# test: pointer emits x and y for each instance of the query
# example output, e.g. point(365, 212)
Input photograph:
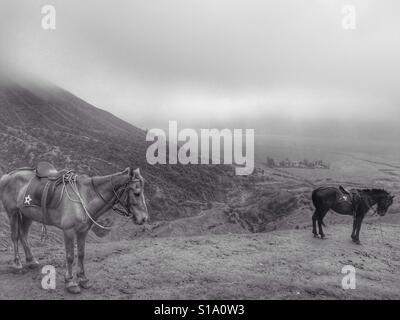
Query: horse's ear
point(128, 170)
point(137, 174)
point(392, 197)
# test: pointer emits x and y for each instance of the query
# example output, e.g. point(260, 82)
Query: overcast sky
point(213, 62)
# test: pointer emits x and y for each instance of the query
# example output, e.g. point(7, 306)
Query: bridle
point(117, 197)
point(370, 206)
point(374, 210)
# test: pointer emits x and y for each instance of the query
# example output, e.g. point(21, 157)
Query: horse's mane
point(21, 169)
point(379, 191)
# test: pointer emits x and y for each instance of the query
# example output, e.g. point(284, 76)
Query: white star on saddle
point(28, 200)
point(344, 198)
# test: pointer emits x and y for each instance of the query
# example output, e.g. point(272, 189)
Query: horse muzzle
point(140, 221)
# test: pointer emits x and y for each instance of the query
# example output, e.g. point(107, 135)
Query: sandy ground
point(286, 264)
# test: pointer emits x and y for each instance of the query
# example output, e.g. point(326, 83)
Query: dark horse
point(83, 200)
point(355, 202)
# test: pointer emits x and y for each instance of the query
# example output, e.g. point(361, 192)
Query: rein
point(369, 206)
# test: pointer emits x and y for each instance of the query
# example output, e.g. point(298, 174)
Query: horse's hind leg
point(23, 235)
point(320, 223)
point(14, 226)
point(355, 235)
point(314, 223)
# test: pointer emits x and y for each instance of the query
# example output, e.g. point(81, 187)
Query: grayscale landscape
point(321, 96)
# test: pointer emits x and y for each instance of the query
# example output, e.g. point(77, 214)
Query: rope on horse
point(71, 179)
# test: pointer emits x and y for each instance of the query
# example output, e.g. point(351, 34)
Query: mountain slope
point(44, 122)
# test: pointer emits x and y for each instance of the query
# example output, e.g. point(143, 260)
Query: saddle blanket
point(43, 192)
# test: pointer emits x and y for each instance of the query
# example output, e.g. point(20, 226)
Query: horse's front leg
point(70, 283)
point(83, 281)
point(358, 230)
point(355, 235)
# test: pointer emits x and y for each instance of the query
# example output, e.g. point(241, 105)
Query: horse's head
point(384, 201)
point(133, 199)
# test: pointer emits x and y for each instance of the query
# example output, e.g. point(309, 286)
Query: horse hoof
point(315, 235)
point(73, 288)
point(356, 241)
point(84, 283)
point(322, 236)
point(33, 264)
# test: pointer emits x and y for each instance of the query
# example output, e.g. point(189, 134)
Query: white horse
point(83, 200)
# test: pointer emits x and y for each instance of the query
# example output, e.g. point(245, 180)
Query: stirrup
point(44, 236)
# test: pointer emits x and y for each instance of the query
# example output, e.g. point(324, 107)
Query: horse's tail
point(315, 198)
point(3, 183)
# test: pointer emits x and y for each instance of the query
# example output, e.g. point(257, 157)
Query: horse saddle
point(45, 189)
point(352, 196)
point(47, 170)
point(345, 192)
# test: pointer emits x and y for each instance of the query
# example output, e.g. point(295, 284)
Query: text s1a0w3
point(201, 309)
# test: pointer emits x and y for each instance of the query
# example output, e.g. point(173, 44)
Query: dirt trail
point(287, 264)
